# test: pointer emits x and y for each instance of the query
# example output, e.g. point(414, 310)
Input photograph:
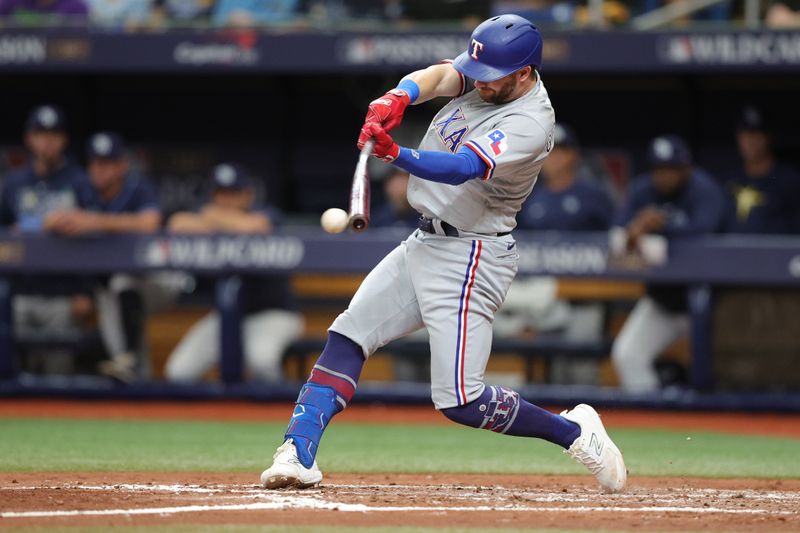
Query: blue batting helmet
point(500, 46)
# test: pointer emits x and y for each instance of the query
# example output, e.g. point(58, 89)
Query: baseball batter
point(470, 175)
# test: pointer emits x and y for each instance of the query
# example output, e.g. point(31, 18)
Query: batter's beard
point(500, 97)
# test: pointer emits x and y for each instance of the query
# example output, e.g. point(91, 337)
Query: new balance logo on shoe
point(596, 444)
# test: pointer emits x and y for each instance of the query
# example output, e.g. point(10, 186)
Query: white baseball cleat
point(288, 472)
point(595, 450)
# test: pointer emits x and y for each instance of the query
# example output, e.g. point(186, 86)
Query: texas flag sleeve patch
point(488, 148)
point(499, 142)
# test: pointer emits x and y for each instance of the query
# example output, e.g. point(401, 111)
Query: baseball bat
point(359, 191)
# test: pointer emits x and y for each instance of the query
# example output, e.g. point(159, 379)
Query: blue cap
point(564, 136)
point(668, 151)
point(46, 118)
point(751, 118)
point(105, 145)
point(500, 46)
point(230, 176)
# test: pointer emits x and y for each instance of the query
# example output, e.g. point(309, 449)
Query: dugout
point(290, 106)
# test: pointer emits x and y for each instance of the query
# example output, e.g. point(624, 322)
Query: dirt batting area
point(468, 501)
point(656, 504)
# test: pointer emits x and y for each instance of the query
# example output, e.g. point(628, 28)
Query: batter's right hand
point(386, 111)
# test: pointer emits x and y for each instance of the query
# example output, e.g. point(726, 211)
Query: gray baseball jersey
point(512, 139)
point(453, 286)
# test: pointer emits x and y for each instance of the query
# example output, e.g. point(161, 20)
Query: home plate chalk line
point(315, 499)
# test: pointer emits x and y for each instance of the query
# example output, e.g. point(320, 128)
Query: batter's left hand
point(386, 111)
point(385, 148)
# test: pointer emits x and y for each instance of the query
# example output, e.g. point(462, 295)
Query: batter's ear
point(525, 73)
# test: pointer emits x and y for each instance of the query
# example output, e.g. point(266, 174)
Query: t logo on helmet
point(477, 48)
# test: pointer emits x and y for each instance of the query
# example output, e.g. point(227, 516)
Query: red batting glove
point(385, 148)
point(386, 111)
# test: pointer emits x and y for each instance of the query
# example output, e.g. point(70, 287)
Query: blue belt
point(428, 225)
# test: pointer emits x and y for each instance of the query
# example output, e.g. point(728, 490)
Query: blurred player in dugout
point(567, 197)
point(674, 199)
point(45, 305)
point(765, 191)
point(271, 322)
point(395, 211)
point(118, 201)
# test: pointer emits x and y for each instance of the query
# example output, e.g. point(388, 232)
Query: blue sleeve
point(453, 169)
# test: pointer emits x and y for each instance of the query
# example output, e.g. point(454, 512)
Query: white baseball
point(334, 220)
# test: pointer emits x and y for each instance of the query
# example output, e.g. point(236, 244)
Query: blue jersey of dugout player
point(674, 198)
point(765, 191)
point(475, 166)
point(564, 201)
point(50, 182)
point(116, 201)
